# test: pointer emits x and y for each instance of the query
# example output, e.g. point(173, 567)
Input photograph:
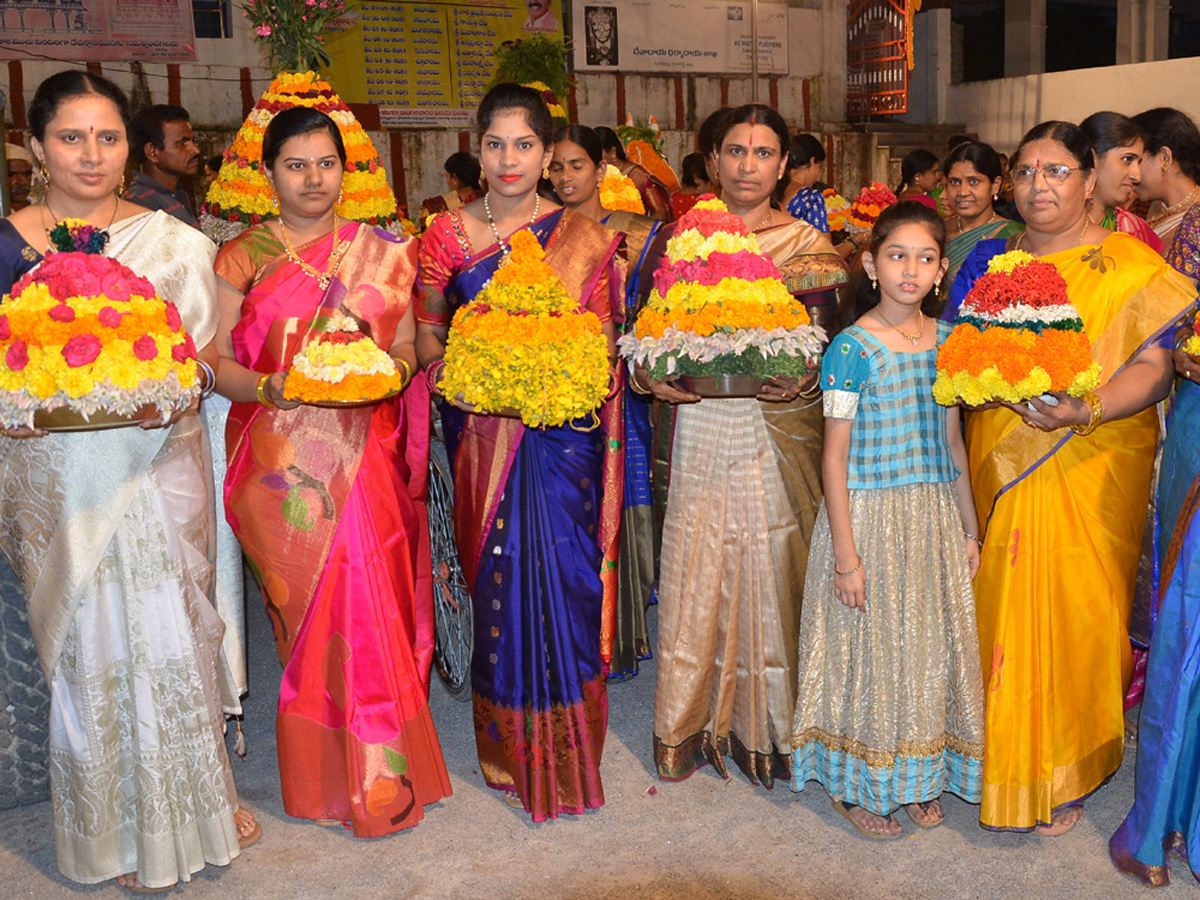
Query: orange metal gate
point(877, 58)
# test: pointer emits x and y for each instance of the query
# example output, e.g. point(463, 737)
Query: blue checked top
point(899, 432)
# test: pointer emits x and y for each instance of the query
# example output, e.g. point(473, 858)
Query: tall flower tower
point(290, 32)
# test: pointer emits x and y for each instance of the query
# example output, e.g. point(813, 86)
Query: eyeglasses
point(1055, 173)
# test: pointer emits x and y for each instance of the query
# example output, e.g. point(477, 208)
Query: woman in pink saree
point(328, 503)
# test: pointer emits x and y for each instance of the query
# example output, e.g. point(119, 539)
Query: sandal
point(844, 809)
point(1059, 828)
point(925, 807)
point(246, 838)
point(138, 888)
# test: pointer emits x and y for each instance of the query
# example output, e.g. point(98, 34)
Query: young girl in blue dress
point(889, 710)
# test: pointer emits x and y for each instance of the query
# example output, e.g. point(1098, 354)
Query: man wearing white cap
point(20, 175)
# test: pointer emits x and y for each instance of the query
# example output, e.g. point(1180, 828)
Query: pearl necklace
point(335, 256)
point(505, 249)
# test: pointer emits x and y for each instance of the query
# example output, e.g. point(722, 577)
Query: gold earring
point(44, 175)
point(341, 193)
point(1164, 170)
point(546, 172)
point(874, 285)
point(274, 201)
point(121, 187)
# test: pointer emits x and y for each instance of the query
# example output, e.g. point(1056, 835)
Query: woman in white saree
point(110, 533)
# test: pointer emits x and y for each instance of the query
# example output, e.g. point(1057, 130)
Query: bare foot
point(1062, 822)
point(926, 815)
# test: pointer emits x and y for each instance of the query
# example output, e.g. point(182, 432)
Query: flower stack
point(341, 364)
point(837, 209)
point(85, 332)
point(719, 307)
point(865, 210)
point(241, 196)
point(1017, 336)
point(618, 191)
point(643, 145)
point(523, 345)
point(558, 112)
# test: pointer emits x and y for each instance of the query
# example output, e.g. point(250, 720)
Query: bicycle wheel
point(451, 597)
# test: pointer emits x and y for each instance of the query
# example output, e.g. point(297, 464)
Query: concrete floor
point(701, 839)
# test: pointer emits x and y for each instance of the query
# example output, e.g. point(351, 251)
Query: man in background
point(20, 175)
point(163, 145)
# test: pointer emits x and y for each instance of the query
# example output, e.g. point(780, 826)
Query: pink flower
point(185, 351)
point(263, 30)
point(5, 331)
point(81, 350)
point(62, 313)
point(173, 318)
point(109, 317)
point(17, 356)
point(144, 348)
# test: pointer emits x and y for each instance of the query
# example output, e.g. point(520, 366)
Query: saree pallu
point(1165, 818)
point(110, 533)
point(641, 536)
point(328, 505)
point(742, 498)
point(1064, 515)
point(536, 515)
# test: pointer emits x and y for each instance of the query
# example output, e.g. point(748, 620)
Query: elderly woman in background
point(111, 534)
point(1063, 489)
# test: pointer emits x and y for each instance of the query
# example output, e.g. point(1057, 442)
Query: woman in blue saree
point(537, 510)
point(1165, 819)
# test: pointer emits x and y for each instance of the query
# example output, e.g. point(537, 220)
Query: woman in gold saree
point(1062, 491)
point(741, 504)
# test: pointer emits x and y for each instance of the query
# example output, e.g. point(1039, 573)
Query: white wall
point(1004, 109)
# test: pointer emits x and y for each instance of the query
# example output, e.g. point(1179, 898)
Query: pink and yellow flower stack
point(85, 332)
point(241, 196)
point(719, 307)
point(865, 210)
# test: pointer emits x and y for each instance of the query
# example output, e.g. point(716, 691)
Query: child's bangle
point(973, 537)
point(850, 572)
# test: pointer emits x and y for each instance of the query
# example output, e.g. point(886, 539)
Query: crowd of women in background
point(856, 586)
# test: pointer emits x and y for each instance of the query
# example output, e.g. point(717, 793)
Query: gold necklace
point(1082, 231)
point(1171, 210)
point(914, 339)
point(988, 222)
point(335, 256)
point(505, 249)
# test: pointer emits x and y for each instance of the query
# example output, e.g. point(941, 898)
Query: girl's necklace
point(1178, 207)
point(914, 339)
point(335, 256)
point(505, 249)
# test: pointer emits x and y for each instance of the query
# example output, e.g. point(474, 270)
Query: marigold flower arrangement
point(719, 307)
point(618, 191)
point(644, 146)
point(837, 209)
point(241, 195)
point(865, 210)
point(1192, 345)
point(558, 112)
point(1017, 336)
point(523, 344)
point(84, 331)
point(341, 364)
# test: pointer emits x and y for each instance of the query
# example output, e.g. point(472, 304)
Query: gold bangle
point(848, 572)
point(262, 397)
point(407, 371)
point(1095, 414)
point(637, 388)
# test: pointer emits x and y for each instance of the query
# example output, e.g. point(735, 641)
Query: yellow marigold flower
point(1006, 262)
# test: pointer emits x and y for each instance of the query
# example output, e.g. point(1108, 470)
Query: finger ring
point(1028, 423)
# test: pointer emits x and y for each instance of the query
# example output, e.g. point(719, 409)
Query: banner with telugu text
point(428, 63)
point(678, 36)
point(97, 30)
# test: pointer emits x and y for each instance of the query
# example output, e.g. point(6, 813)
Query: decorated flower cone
point(342, 365)
point(837, 209)
point(290, 30)
point(719, 307)
point(523, 345)
point(643, 145)
point(865, 210)
point(86, 333)
point(618, 191)
point(1017, 336)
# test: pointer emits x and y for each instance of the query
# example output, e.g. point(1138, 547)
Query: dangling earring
point(121, 187)
point(341, 193)
point(275, 201)
point(995, 197)
point(874, 284)
point(937, 286)
point(546, 172)
point(44, 176)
